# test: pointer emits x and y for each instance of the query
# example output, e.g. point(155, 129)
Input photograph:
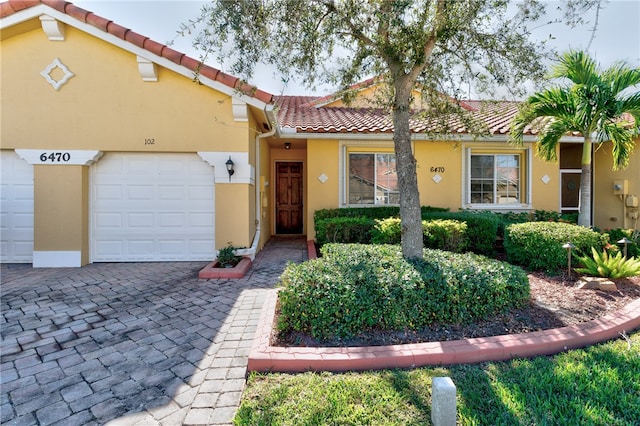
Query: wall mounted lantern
point(230, 170)
point(287, 145)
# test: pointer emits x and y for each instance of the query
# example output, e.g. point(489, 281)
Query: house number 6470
point(55, 157)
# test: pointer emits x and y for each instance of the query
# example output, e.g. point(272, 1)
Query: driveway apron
point(130, 343)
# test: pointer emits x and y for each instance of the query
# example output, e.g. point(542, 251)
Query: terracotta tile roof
point(302, 114)
point(11, 7)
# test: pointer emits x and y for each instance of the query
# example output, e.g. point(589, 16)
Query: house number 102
point(149, 141)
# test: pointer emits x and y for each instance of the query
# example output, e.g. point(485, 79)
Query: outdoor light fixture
point(568, 246)
point(287, 145)
point(625, 241)
point(230, 170)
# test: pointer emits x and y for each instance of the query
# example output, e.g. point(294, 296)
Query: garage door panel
point(140, 192)
point(16, 209)
point(141, 249)
point(200, 220)
point(173, 193)
point(166, 206)
point(108, 192)
point(172, 220)
point(137, 221)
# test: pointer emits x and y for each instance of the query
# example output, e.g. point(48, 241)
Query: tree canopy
point(440, 46)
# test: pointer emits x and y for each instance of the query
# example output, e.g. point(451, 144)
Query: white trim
point(560, 206)
point(57, 259)
point(54, 30)
point(76, 157)
point(466, 190)
point(147, 69)
point(67, 75)
point(240, 110)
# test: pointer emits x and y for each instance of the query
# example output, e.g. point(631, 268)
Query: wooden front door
point(288, 198)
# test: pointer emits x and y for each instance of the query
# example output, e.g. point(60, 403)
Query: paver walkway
point(130, 343)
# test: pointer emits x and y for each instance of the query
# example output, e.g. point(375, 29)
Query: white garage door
point(152, 207)
point(16, 209)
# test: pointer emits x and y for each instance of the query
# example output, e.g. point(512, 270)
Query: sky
point(617, 36)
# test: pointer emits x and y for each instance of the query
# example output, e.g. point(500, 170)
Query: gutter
point(251, 251)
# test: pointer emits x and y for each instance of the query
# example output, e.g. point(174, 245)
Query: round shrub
point(353, 288)
point(537, 246)
point(443, 234)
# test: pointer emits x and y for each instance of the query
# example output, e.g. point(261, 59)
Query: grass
point(599, 385)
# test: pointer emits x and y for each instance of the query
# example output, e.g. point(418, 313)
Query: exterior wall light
point(287, 145)
point(230, 170)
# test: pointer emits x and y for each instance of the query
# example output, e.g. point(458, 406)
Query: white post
point(443, 402)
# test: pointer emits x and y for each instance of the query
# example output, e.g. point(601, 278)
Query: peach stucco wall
point(609, 209)
point(106, 106)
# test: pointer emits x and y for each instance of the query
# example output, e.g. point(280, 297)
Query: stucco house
point(117, 148)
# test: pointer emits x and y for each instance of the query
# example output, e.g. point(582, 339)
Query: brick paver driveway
point(93, 344)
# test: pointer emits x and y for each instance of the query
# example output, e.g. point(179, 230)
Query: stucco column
point(232, 214)
point(61, 216)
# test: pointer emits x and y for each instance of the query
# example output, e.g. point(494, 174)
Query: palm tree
point(595, 106)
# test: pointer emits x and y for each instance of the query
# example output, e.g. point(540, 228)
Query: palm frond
point(576, 66)
point(546, 148)
point(622, 141)
point(620, 77)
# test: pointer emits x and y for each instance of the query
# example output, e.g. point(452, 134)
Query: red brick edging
point(264, 357)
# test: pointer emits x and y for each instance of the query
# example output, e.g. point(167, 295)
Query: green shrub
point(227, 257)
point(354, 288)
point(482, 228)
point(604, 265)
point(440, 234)
point(444, 234)
point(538, 245)
point(377, 212)
point(344, 230)
point(386, 231)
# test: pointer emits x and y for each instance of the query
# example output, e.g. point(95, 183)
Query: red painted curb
point(264, 357)
point(211, 272)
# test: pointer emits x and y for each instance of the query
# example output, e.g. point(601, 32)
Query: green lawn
point(599, 385)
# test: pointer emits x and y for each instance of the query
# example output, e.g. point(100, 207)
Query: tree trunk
point(410, 214)
point(584, 205)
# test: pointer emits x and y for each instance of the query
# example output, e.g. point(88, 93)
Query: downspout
point(251, 252)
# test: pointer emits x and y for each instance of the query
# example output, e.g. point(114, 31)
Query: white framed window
point(372, 179)
point(498, 179)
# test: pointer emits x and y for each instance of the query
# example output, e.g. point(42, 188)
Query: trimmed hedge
point(353, 288)
point(440, 234)
point(377, 212)
point(482, 228)
point(344, 230)
point(537, 246)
